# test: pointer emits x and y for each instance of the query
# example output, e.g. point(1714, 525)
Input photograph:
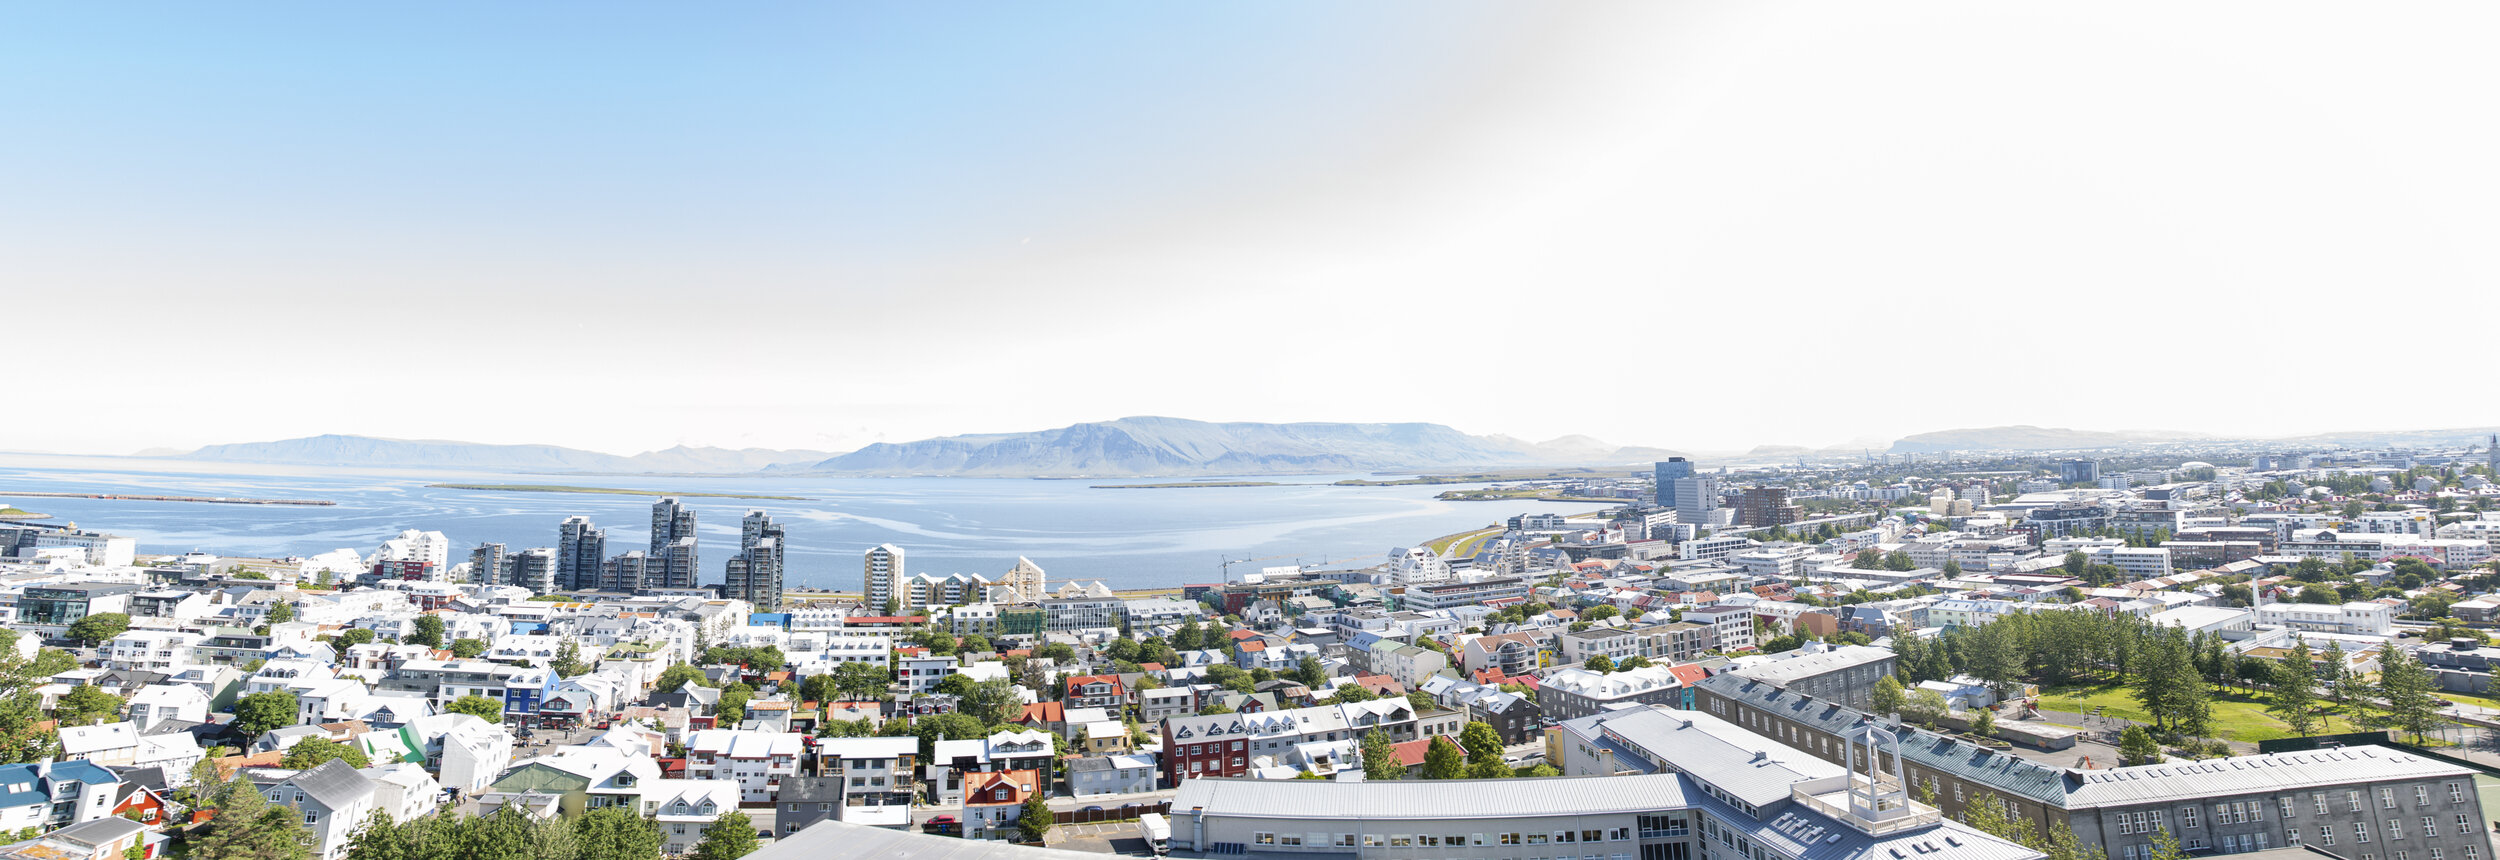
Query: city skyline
point(829, 227)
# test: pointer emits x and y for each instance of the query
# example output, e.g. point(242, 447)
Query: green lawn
point(2237, 716)
point(1463, 543)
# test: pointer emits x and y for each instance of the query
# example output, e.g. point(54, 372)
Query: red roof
point(1411, 753)
point(1253, 645)
point(1150, 667)
point(1689, 673)
point(979, 785)
point(1044, 712)
point(1238, 635)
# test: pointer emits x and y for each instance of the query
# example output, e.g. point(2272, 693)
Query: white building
point(2356, 618)
point(756, 761)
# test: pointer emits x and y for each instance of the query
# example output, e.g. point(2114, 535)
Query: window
point(2456, 792)
point(2127, 853)
point(2421, 794)
point(2256, 810)
point(2361, 832)
point(2386, 798)
point(2326, 834)
point(2187, 816)
point(1401, 840)
point(2319, 802)
point(2291, 837)
point(311, 817)
point(1262, 839)
point(2284, 805)
point(2430, 827)
point(2260, 840)
point(2395, 828)
point(2464, 826)
point(2435, 854)
point(2352, 801)
point(1592, 836)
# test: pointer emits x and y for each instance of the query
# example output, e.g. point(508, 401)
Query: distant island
point(1179, 484)
point(12, 513)
point(612, 491)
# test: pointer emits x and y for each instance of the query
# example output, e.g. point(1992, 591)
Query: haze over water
point(1126, 538)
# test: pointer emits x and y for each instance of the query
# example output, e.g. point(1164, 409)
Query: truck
point(1158, 831)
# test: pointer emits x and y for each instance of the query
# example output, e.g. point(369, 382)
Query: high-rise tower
point(755, 574)
point(883, 568)
point(1668, 472)
point(673, 548)
point(581, 549)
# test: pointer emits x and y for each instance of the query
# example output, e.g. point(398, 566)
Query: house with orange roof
point(994, 800)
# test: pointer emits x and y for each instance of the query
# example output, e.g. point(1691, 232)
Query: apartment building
point(756, 761)
point(1571, 693)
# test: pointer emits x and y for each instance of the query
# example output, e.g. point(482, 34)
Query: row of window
point(1440, 840)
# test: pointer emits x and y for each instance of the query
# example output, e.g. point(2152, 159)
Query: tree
point(1887, 695)
point(680, 675)
point(974, 643)
point(87, 705)
point(1444, 760)
point(1983, 722)
point(2334, 674)
point(937, 727)
point(248, 827)
point(477, 706)
point(2171, 687)
point(99, 627)
point(1380, 758)
point(1310, 673)
point(1898, 560)
point(1924, 707)
point(280, 613)
point(732, 707)
point(310, 753)
point(355, 636)
point(957, 685)
point(858, 681)
point(568, 662)
point(260, 713)
point(616, 833)
point(466, 648)
point(2405, 685)
point(1540, 770)
point(2136, 746)
point(1601, 664)
point(730, 838)
point(429, 632)
point(1034, 819)
point(1421, 702)
point(1482, 742)
point(2295, 697)
point(1350, 692)
point(1868, 559)
point(1188, 637)
point(994, 702)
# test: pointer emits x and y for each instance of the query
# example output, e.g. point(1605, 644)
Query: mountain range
point(1158, 447)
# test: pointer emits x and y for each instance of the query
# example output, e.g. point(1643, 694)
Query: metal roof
point(2257, 773)
point(1438, 798)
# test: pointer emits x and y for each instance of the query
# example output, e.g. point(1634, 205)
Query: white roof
point(85, 740)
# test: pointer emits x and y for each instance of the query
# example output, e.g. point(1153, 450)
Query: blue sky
point(821, 225)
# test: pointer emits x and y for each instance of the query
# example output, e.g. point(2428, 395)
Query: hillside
point(2024, 437)
point(1173, 446)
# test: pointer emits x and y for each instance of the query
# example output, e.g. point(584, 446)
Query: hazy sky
point(1698, 225)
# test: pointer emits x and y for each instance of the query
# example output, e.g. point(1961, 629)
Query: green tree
point(1380, 758)
point(1600, 663)
point(87, 705)
point(429, 632)
point(1350, 692)
point(1444, 760)
point(1924, 707)
point(280, 613)
point(1310, 673)
point(616, 833)
point(1189, 637)
point(857, 681)
point(477, 706)
point(1898, 561)
point(730, 838)
point(957, 685)
point(2170, 686)
point(2405, 688)
point(2295, 696)
point(1868, 559)
point(1482, 742)
point(1887, 695)
point(676, 677)
point(2334, 674)
point(99, 627)
point(568, 662)
point(937, 727)
point(260, 713)
point(1034, 819)
point(732, 707)
point(248, 827)
point(1983, 722)
point(355, 636)
point(994, 702)
point(2136, 746)
point(466, 648)
point(309, 753)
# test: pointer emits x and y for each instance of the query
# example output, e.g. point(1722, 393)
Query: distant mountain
point(1150, 446)
point(2024, 437)
point(2459, 437)
point(335, 450)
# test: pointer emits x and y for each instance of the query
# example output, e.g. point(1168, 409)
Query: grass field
point(1461, 544)
point(2237, 717)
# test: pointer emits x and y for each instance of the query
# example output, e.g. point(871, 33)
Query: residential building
point(1844, 674)
point(993, 802)
point(581, 553)
point(883, 568)
point(673, 544)
point(756, 761)
point(755, 573)
point(1572, 693)
point(334, 799)
point(1097, 776)
point(876, 776)
point(1762, 507)
point(2358, 618)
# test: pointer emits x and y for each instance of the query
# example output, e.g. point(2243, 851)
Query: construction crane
point(1228, 563)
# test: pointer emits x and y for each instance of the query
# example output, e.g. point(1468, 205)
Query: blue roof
point(17, 774)
point(83, 771)
point(529, 627)
point(768, 619)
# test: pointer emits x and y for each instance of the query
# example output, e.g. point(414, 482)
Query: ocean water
point(1126, 538)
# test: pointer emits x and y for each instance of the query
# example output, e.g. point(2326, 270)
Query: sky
point(1707, 226)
